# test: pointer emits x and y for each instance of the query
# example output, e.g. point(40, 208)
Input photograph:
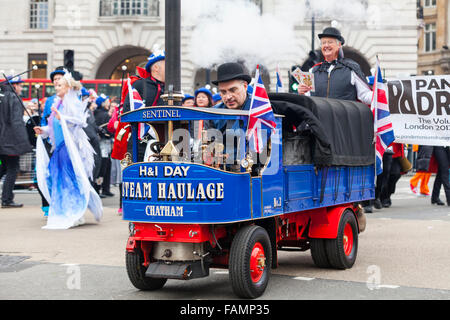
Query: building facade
point(434, 37)
point(106, 34)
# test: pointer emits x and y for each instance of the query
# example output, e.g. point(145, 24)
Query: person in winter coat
point(150, 87)
point(337, 77)
point(442, 155)
point(14, 140)
point(387, 180)
point(92, 131)
point(436, 159)
point(102, 117)
point(421, 177)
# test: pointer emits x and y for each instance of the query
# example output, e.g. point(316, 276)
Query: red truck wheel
point(136, 273)
point(250, 262)
point(342, 251)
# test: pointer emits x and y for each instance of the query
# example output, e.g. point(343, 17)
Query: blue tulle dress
point(64, 178)
point(67, 198)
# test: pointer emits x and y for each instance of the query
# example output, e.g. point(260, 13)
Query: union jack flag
point(279, 88)
point(384, 132)
point(260, 114)
point(136, 103)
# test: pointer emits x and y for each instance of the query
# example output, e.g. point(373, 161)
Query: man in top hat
point(337, 77)
point(13, 138)
point(101, 115)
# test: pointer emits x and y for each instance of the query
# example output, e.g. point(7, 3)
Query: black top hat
point(231, 71)
point(333, 33)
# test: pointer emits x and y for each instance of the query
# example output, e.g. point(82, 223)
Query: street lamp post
point(173, 50)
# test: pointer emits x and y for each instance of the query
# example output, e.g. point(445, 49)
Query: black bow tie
point(328, 64)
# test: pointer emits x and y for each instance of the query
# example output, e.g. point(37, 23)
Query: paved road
point(403, 254)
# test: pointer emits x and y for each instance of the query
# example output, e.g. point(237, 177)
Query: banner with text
point(420, 109)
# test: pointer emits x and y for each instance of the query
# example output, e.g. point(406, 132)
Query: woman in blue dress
point(64, 178)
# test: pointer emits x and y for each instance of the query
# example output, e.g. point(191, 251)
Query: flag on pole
point(384, 132)
point(279, 87)
point(136, 103)
point(260, 114)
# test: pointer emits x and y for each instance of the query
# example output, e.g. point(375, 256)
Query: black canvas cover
point(341, 130)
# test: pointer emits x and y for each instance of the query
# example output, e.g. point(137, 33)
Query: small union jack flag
point(384, 132)
point(279, 87)
point(260, 114)
point(136, 103)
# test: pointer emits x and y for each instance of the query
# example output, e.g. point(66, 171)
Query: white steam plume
point(234, 30)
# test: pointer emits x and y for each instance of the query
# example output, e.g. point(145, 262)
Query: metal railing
point(26, 177)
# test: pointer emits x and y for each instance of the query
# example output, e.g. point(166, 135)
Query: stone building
point(106, 34)
point(434, 37)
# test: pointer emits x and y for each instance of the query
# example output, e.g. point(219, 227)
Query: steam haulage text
point(170, 191)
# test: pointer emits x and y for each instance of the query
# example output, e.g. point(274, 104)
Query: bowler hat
point(333, 33)
point(231, 71)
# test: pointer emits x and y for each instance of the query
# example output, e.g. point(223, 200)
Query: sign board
point(420, 109)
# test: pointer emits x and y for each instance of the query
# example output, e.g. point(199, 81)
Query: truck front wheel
point(136, 272)
point(250, 262)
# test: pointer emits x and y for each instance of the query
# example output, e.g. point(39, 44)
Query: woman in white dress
point(64, 178)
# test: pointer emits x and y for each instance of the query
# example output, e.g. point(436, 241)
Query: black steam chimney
point(173, 51)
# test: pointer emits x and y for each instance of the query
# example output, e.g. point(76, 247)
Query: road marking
point(388, 286)
point(303, 278)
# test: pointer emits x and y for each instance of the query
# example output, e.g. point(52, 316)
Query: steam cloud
point(234, 30)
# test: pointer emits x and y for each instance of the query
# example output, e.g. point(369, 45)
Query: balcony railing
point(129, 8)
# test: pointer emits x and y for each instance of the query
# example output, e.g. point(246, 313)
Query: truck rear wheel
point(342, 251)
point(319, 253)
point(136, 273)
point(250, 262)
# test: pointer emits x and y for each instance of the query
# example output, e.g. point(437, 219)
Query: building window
point(38, 14)
point(127, 8)
point(40, 60)
point(430, 37)
point(428, 72)
point(430, 3)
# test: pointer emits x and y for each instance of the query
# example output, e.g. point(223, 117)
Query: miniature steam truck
point(190, 209)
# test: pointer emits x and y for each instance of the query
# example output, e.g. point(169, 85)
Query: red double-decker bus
point(41, 88)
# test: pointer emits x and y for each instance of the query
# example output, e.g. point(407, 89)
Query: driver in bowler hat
point(232, 82)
